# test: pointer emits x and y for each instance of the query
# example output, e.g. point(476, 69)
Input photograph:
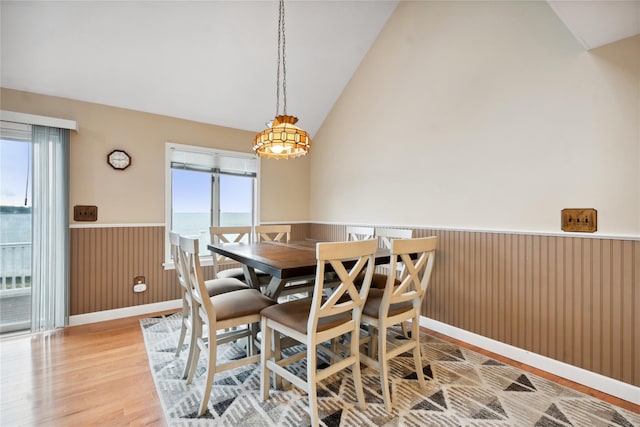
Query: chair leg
point(211, 372)
point(384, 366)
point(417, 358)
point(266, 353)
point(373, 344)
point(183, 327)
point(405, 331)
point(357, 374)
point(312, 390)
point(190, 362)
point(279, 383)
point(194, 350)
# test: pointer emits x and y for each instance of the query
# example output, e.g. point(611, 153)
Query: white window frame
point(193, 153)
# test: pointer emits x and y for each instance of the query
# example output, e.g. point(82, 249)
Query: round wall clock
point(119, 159)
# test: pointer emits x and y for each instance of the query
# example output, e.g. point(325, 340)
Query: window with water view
point(210, 188)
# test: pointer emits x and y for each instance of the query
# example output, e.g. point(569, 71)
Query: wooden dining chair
point(273, 233)
point(319, 319)
point(226, 311)
point(359, 233)
point(397, 303)
point(228, 235)
point(213, 287)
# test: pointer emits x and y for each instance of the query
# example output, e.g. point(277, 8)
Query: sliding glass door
point(16, 166)
point(34, 227)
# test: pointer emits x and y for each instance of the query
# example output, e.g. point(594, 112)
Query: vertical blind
point(50, 260)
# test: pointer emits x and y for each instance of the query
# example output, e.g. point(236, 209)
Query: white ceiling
point(597, 23)
point(215, 61)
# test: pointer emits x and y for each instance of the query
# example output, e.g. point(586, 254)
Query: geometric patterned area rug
point(464, 388)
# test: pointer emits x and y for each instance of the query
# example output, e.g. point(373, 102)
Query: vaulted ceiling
point(215, 61)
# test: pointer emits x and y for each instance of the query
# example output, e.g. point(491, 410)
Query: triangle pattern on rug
point(333, 420)
point(222, 406)
point(194, 415)
point(454, 356)
point(545, 421)
point(521, 383)
point(492, 362)
point(555, 412)
point(438, 398)
point(425, 405)
point(620, 420)
point(242, 376)
point(334, 386)
point(224, 381)
point(496, 406)
point(485, 414)
point(425, 371)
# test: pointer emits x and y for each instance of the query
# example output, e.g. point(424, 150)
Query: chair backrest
point(174, 239)
point(416, 273)
point(386, 235)
point(195, 279)
point(227, 235)
point(273, 233)
point(344, 296)
point(359, 233)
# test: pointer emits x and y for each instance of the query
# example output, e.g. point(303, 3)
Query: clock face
point(119, 159)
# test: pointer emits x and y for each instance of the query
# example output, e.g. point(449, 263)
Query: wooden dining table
point(286, 263)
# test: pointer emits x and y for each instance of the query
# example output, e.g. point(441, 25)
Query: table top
point(281, 260)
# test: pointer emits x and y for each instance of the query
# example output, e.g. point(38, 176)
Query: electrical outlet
point(139, 287)
point(139, 284)
point(85, 213)
point(580, 220)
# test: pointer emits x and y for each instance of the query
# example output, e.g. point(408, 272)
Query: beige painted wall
point(136, 195)
point(485, 115)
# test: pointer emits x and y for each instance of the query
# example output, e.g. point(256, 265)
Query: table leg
point(274, 288)
point(251, 277)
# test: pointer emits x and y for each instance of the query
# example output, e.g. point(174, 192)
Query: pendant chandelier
point(282, 139)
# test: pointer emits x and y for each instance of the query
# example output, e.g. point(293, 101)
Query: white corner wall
point(483, 115)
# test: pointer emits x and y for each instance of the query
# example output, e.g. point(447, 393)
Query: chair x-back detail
point(273, 233)
point(228, 235)
point(397, 303)
point(385, 237)
point(359, 233)
point(319, 319)
point(225, 311)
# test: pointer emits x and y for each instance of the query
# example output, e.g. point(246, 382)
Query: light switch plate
point(583, 220)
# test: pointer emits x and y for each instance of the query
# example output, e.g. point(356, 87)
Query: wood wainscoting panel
point(573, 299)
point(104, 261)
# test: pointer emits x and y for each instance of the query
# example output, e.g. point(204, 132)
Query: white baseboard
point(119, 313)
point(596, 381)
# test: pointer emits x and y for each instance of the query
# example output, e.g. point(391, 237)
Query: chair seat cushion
point(235, 273)
point(244, 302)
point(221, 286)
point(374, 299)
point(295, 315)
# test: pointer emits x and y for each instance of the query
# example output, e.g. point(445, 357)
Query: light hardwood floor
point(86, 375)
point(98, 374)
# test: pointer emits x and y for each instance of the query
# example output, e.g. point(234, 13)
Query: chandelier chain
point(282, 62)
